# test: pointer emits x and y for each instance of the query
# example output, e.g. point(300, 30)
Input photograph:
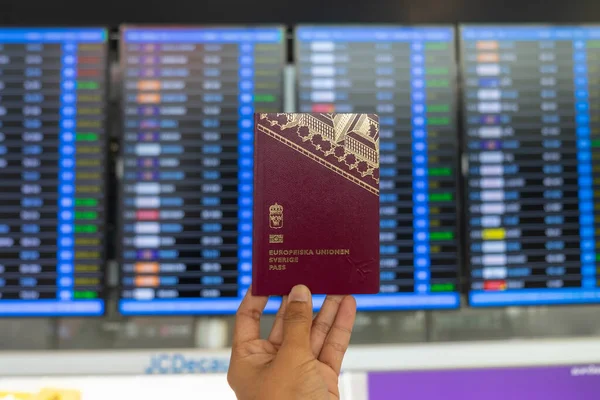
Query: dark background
point(114, 12)
point(116, 332)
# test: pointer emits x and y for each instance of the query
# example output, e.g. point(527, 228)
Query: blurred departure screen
point(531, 137)
point(407, 75)
point(52, 163)
point(189, 95)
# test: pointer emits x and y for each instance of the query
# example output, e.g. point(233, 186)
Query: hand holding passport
point(316, 226)
point(301, 358)
point(316, 203)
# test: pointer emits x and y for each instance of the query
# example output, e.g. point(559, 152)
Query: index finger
point(338, 339)
point(247, 318)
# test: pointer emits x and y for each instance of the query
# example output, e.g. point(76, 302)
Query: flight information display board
point(52, 165)
point(532, 133)
point(189, 97)
point(408, 77)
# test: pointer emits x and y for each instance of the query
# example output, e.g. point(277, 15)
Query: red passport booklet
point(316, 203)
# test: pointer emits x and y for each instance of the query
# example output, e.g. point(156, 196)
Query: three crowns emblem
point(276, 216)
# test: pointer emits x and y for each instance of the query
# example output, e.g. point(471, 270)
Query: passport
point(316, 203)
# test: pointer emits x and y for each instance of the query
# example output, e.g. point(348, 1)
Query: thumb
point(297, 320)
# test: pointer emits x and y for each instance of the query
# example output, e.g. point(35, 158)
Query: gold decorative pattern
point(352, 139)
point(310, 155)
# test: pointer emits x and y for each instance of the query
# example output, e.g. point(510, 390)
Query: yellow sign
point(493, 234)
point(44, 394)
point(58, 394)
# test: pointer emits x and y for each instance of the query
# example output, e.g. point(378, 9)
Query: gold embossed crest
point(276, 216)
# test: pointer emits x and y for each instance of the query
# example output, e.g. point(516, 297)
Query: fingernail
point(299, 293)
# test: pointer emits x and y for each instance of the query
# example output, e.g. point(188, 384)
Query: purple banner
point(536, 383)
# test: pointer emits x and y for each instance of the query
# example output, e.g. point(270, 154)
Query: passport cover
point(316, 203)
